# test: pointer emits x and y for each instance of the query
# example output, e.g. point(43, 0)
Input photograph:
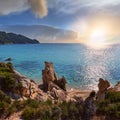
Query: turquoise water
point(81, 65)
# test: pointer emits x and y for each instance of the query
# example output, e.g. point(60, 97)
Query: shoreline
point(71, 91)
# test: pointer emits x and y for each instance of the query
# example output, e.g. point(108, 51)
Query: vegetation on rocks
point(5, 102)
point(55, 109)
point(110, 106)
point(7, 80)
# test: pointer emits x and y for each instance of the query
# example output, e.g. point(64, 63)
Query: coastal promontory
point(12, 38)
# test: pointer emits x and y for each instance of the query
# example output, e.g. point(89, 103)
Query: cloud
point(79, 6)
point(39, 7)
point(11, 6)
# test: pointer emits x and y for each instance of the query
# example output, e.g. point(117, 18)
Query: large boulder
point(24, 87)
point(61, 83)
point(56, 93)
point(103, 88)
point(49, 72)
point(49, 75)
point(89, 107)
point(117, 87)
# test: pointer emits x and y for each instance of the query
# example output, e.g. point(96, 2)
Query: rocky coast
point(52, 95)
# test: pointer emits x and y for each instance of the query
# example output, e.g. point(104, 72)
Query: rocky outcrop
point(117, 87)
point(28, 87)
point(17, 86)
point(61, 83)
point(49, 76)
point(54, 86)
point(103, 87)
point(8, 59)
point(89, 106)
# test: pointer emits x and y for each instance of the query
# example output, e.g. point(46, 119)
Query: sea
point(81, 65)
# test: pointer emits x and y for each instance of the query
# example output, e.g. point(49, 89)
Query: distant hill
point(11, 38)
point(44, 33)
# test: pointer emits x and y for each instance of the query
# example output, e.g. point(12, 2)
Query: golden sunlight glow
point(97, 38)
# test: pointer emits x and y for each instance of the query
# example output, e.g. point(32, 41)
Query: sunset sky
point(91, 19)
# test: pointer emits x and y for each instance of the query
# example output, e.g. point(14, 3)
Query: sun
point(97, 38)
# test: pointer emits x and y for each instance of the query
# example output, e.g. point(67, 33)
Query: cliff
point(11, 38)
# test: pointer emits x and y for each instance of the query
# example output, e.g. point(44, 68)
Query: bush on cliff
point(7, 80)
point(5, 102)
point(71, 110)
point(37, 110)
point(110, 106)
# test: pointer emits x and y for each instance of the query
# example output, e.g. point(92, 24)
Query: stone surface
point(61, 83)
point(89, 107)
point(103, 87)
point(58, 94)
point(49, 75)
point(29, 88)
point(8, 59)
point(117, 87)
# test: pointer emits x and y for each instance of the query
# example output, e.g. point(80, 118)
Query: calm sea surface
point(81, 65)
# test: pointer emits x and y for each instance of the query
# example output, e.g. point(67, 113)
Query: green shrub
point(48, 102)
point(35, 109)
point(113, 97)
point(110, 106)
point(10, 66)
point(7, 80)
point(71, 110)
point(32, 103)
point(7, 66)
point(28, 113)
point(4, 97)
point(4, 103)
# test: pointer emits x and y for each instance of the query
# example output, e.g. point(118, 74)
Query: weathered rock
point(28, 88)
point(117, 87)
point(49, 75)
point(78, 99)
point(49, 72)
point(103, 87)
point(8, 59)
point(58, 94)
point(61, 83)
point(89, 107)
point(55, 92)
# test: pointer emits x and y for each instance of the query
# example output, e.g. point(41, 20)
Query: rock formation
point(117, 87)
point(103, 87)
point(89, 107)
point(18, 86)
point(48, 75)
point(8, 59)
point(50, 78)
point(61, 83)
